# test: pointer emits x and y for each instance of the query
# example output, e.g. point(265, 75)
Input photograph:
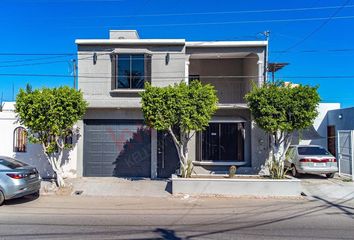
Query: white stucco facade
point(320, 124)
point(34, 154)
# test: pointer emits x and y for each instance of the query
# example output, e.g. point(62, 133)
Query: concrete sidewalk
point(314, 186)
point(120, 187)
point(319, 187)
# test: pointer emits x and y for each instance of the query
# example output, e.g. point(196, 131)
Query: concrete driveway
point(120, 187)
point(320, 187)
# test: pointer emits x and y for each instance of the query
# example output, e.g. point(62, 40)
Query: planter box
point(245, 186)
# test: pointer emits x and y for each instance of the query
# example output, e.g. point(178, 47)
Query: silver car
point(310, 159)
point(17, 179)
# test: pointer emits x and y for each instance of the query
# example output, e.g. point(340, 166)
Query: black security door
point(223, 142)
point(167, 157)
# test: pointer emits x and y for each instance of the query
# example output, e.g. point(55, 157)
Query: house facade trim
point(109, 128)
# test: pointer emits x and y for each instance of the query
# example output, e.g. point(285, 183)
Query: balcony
point(232, 77)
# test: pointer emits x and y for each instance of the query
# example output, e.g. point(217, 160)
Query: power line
point(50, 62)
point(90, 56)
point(91, 76)
point(315, 50)
point(36, 54)
point(31, 59)
point(318, 77)
point(31, 64)
point(177, 77)
point(110, 52)
point(215, 12)
point(327, 20)
point(217, 23)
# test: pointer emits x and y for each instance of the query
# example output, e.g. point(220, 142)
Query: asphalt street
point(79, 217)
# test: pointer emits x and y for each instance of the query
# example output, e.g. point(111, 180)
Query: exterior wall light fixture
point(167, 58)
point(94, 58)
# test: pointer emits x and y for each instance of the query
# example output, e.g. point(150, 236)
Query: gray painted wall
point(252, 68)
point(97, 91)
point(229, 90)
point(103, 104)
point(344, 123)
point(252, 57)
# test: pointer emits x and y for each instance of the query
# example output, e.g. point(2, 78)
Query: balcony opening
point(231, 75)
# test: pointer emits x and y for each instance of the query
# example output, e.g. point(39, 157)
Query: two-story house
point(114, 139)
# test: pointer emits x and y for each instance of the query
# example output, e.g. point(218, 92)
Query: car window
point(11, 163)
point(312, 151)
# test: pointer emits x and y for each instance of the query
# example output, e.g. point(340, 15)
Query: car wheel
point(330, 175)
point(2, 198)
point(294, 172)
point(36, 194)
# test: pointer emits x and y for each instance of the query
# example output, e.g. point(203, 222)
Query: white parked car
point(310, 159)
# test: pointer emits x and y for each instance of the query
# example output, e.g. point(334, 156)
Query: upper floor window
point(130, 71)
point(20, 139)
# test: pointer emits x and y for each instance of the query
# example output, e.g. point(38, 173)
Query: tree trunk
point(54, 160)
point(182, 151)
point(184, 154)
point(280, 144)
point(59, 172)
point(56, 165)
point(60, 179)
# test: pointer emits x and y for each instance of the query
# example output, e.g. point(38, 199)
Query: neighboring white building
point(320, 124)
point(14, 144)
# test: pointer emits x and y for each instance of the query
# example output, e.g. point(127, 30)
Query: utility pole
point(74, 72)
point(266, 58)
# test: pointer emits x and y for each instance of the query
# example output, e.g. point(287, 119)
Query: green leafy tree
point(181, 110)
point(49, 115)
point(280, 110)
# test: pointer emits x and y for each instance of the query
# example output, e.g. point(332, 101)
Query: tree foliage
point(181, 110)
point(49, 114)
point(280, 110)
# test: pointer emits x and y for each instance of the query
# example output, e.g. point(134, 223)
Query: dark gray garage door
point(118, 148)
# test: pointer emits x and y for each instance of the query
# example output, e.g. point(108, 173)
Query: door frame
point(199, 144)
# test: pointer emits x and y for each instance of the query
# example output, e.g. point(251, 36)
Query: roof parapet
point(123, 34)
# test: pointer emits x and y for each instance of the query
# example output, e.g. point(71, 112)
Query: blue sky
point(323, 47)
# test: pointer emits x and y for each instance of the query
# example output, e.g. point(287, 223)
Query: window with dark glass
point(223, 142)
point(20, 140)
point(312, 151)
point(194, 78)
point(131, 71)
point(69, 138)
point(11, 163)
